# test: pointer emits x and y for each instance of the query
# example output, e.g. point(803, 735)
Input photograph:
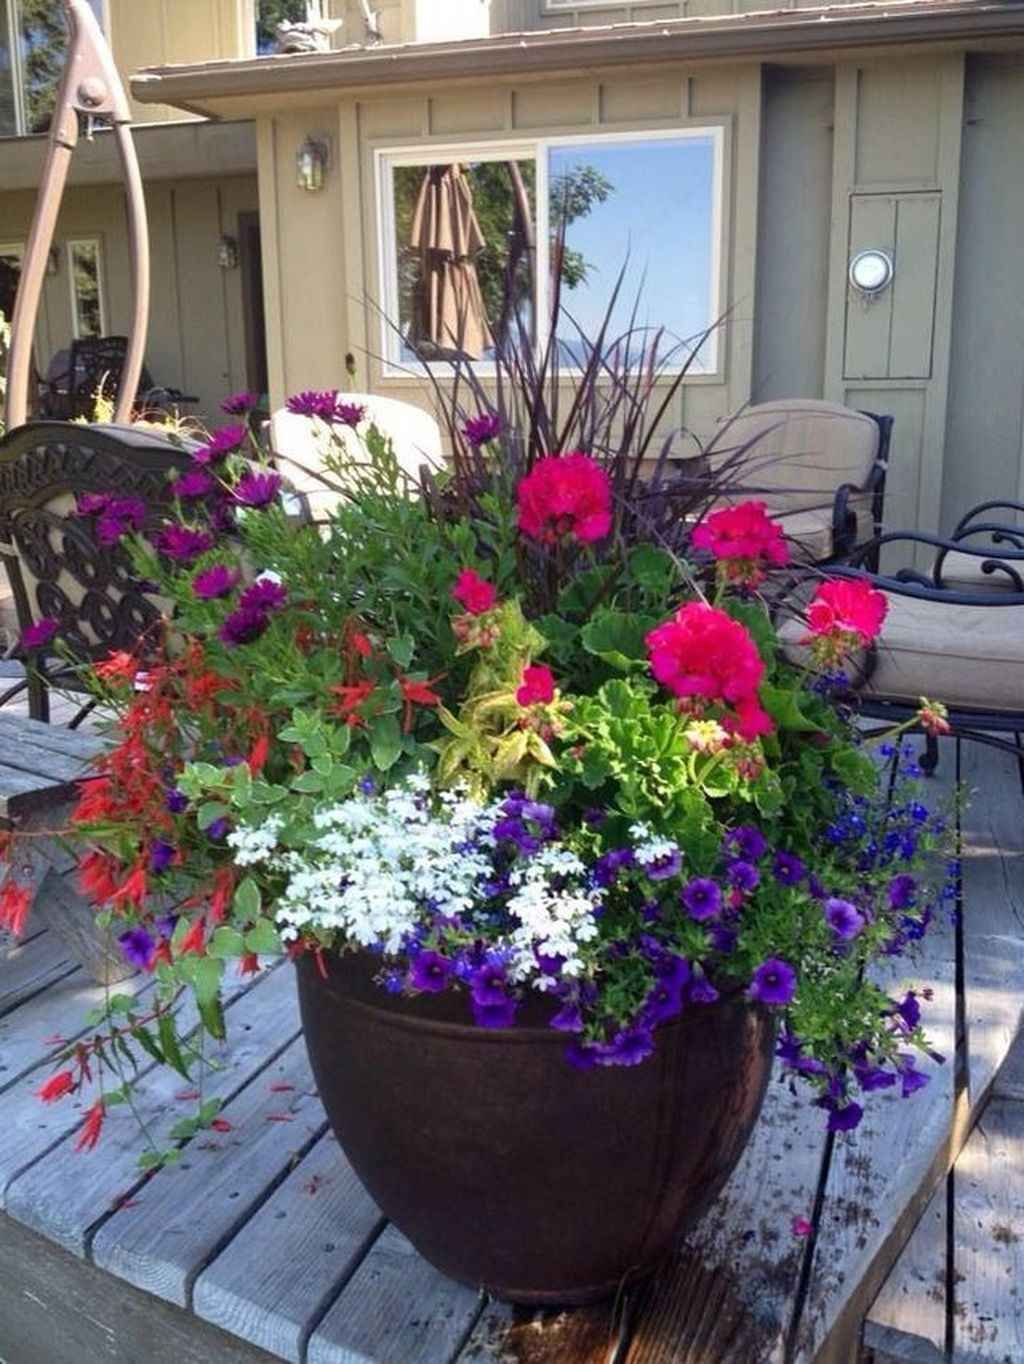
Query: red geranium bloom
point(538, 686)
point(56, 1087)
point(566, 495)
point(476, 594)
point(90, 1133)
point(847, 606)
point(703, 652)
point(744, 539)
point(15, 903)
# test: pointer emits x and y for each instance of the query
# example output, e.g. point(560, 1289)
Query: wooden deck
point(262, 1245)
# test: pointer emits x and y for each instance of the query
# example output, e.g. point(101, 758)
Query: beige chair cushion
point(804, 449)
point(300, 444)
point(968, 656)
point(809, 532)
point(964, 573)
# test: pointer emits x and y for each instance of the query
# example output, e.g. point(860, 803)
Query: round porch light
point(871, 271)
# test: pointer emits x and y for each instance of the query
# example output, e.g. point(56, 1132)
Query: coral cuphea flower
point(744, 540)
point(476, 594)
point(538, 686)
point(56, 1087)
point(566, 495)
point(91, 1128)
point(702, 652)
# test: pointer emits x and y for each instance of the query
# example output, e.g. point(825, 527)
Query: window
point(457, 226)
point(33, 44)
point(270, 13)
point(10, 273)
point(85, 271)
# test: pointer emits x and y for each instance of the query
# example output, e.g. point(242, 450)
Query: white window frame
point(535, 149)
point(101, 282)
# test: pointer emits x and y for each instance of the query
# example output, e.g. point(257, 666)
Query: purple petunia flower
point(219, 828)
point(701, 991)
point(224, 441)
point(242, 627)
point(137, 947)
point(313, 403)
point(568, 1019)
point(909, 1010)
point(165, 924)
point(788, 869)
point(747, 842)
point(430, 972)
point(664, 867)
point(549, 965)
point(902, 891)
point(629, 1047)
point(216, 581)
point(582, 1055)
point(743, 875)
point(911, 1079)
point(264, 595)
point(183, 543)
point(192, 485)
point(238, 404)
point(845, 920)
point(489, 984)
point(774, 982)
point(257, 490)
point(347, 414)
point(608, 866)
point(161, 855)
point(843, 1117)
point(482, 429)
point(671, 968)
point(500, 1015)
point(176, 801)
point(664, 1002)
point(702, 898)
point(39, 635)
point(871, 1078)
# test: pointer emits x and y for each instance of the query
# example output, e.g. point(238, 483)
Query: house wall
point(820, 162)
point(513, 16)
point(197, 335)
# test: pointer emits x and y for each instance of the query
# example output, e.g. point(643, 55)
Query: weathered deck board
point(271, 1283)
point(505, 1334)
point(185, 1214)
point(907, 1321)
point(988, 1240)
point(395, 1308)
point(64, 1195)
point(29, 967)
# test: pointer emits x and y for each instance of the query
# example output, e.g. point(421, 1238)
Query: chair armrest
point(999, 504)
point(910, 582)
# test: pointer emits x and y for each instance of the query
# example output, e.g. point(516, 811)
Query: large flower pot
point(507, 1168)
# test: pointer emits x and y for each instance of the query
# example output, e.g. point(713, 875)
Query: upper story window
point(270, 13)
point(33, 43)
point(470, 244)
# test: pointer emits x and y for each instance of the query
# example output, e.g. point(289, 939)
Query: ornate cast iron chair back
point(96, 364)
point(57, 566)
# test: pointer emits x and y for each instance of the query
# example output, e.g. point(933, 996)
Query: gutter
point(756, 34)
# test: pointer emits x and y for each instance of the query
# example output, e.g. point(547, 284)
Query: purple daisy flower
point(747, 842)
point(137, 947)
point(629, 1047)
point(774, 982)
point(347, 414)
point(430, 972)
point(39, 635)
point(264, 595)
point(902, 891)
point(257, 490)
point(743, 875)
point(666, 866)
point(224, 441)
point(702, 898)
point(482, 429)
point(92, 504)
point(313, 403)
point(501, 1015)
point(489, 984)
point(121, 515)
point(192, 485)
point(183, 543)
point(238, 404)
point(242, 627)
point(788, 869)
point(161, 855)
point(845, 920)
point(217, 581)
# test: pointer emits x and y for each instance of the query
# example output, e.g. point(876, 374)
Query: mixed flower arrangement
point(495, 732)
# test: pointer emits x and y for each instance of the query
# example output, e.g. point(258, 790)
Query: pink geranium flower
point(703, 652)
point(850, 606)
point(744, 540)
point(538, 686)
point(566, 495)
point(476, 594)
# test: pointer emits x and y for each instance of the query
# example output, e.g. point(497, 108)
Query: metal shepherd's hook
point(90, 87)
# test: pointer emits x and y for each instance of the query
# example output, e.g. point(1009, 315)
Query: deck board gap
point(792, 1338)
point(332, 1295)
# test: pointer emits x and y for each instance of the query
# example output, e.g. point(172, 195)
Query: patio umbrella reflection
point(450, 313)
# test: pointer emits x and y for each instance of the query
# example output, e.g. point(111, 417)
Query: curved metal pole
point(91, 87)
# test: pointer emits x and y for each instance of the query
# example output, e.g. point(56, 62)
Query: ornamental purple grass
point(39, 635)
point(845, 920)
point(774, 982)
point(257, 490)
point(216, 581)
point(702, 898)
point(243, 626)
point(183, 544)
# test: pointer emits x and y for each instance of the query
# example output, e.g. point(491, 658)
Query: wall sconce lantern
point(227, 253)
point(311, 163)
point(871, 272)
point(53, 261)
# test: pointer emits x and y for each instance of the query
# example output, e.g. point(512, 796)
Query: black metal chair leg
point(930, 761)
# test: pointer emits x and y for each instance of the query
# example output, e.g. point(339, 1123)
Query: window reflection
point(87, 301)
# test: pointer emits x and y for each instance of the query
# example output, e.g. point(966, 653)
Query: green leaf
point(401, 650)
point(248, 900)
point(617, 637)
point(169, 1045)
point(210, 812)
point(226, 942)
point(783, 705)
point(310, 783)
point(653, 569)
point(263, 939)
point(855, 770)
point(211, 1012)
point(756, 620)
point(206, 979)
point(385, 742)
point(147, 1042)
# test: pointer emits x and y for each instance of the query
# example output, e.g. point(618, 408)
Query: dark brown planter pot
point(507, 1168)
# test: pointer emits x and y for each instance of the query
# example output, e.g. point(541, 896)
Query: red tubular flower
point(847, 606)
point(134, 889)
point(476, 594)
point(97, 876)
point(223, 890)
point(362, 644)
point(118, 667)
point(15, 903)
point(93, 1125)
point(221, 1125)
point(350, 698)
point(56, 1087)
point(95, 801)
point(744, 540)
point(416, 694)
point(566, 495)
point(194, 940)
point(538, 686)
point(258, 754)
point(248, 964)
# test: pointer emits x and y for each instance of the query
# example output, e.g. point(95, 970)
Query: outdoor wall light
point(311, 163)
point(871, 271)
point(227, 253)
point(53, 261)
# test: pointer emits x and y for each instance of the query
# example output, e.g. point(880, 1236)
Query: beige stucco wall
point(197, 336)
